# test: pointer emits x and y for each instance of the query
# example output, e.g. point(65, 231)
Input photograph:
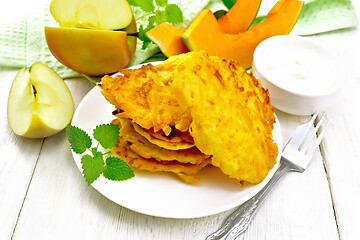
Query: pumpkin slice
point(237, 19)
point(168, 38)
point(240, 16)
point(204, 33)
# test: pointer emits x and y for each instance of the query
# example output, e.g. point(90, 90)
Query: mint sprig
point(79, 139)
point(92, 167)
point(115, 168)
point(173, 14)
point(156, 12)
point(107, 135)
point(142, 31)
point(93, 164)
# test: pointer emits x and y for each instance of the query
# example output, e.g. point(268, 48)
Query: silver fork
point(296, 157)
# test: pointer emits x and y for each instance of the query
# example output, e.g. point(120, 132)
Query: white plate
point(162, 194)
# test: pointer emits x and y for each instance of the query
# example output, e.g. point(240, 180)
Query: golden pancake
point(133, 159)
point(232, 115)
point(185, 171)
point(225, 110)
point(144, 96)
point(176, 140)
point(145, 149)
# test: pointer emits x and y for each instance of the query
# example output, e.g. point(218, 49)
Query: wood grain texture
point(342, 145)
point(299, 207)
point(60, 204)
point(18, 160)
point(43, 194)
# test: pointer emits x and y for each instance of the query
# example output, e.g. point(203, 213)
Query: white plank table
point(44, 196)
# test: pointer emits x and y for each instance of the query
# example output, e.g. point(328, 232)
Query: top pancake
point(232, 118)
point(144, 96)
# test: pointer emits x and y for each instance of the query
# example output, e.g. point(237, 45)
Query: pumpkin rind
point(237, 19)
point(205, 34)
point(240, 16)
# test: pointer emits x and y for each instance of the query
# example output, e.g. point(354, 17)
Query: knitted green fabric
point(319, 16)
point(23, 43)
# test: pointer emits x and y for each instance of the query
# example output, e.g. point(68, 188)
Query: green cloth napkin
point(319, 16)
point(23, 43)
point(325, 15)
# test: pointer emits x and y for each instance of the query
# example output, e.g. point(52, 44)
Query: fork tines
point(313, 137)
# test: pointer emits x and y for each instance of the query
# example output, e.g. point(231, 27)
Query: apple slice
point(92, 52)
point(39, 104)
point(94, 14)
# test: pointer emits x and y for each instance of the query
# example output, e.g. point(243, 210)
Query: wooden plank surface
point(342, 144)
point(18, 160)
point(60, 204)
point(43, 194)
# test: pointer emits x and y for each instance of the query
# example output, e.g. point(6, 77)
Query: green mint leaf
point(160, 16)
point(146, 5)
point(142, 35)
point(79, 140)
point(107, 135)
point(145, 45)
point(142, 31)
point(133, 3)
point(174, 13)
point(117, 169)
point(219, 13)
point(151, 24)
point(92, 167)
point(229, 3)
point(161, 3)
point(94, 150)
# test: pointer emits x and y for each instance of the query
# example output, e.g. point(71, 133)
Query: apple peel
point(39, 104)
point(93, 14)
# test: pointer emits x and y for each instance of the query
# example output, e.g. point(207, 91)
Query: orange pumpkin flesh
point(236, 20)
point(205, 34)
point(168, 38)
point(240, 16)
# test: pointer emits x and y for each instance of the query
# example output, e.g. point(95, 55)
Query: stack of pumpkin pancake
point(192, 111)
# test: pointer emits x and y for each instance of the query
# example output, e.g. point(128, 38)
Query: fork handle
point(240, 219)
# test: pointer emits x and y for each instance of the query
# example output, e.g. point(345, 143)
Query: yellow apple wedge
point(204, 33)
point(92, 52)
point(39, 104)
point(94, 14)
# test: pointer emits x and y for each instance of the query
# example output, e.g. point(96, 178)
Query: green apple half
point(39, 104)
point(94, 14)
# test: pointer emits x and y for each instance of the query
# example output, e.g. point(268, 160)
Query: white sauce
point(299, 68)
